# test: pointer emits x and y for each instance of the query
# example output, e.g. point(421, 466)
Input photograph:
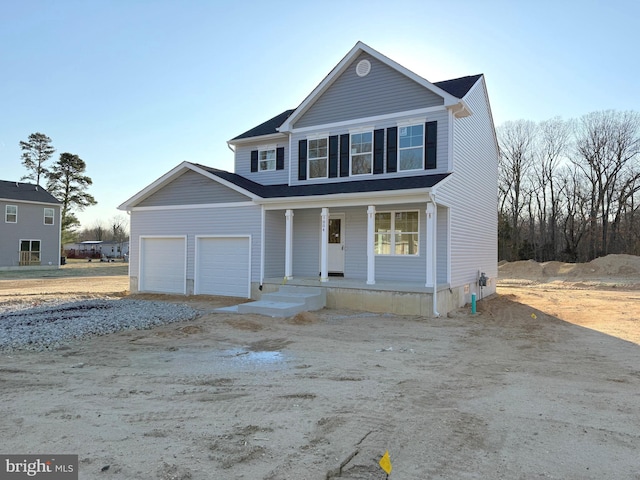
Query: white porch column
point(324, 246)
point(430, 239)
point(371, 254)
point(288, 248)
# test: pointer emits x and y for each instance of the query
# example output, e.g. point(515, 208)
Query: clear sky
point(136, 87)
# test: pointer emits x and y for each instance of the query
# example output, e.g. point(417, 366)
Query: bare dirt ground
point(542, 383)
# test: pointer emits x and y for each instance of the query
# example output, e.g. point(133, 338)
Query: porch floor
point(356, 284)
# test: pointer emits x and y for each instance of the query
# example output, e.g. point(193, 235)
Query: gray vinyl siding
point(245, 220)
point(274, 243)
point(271, 177)
point(306, 243)
point(192, 188)
point(472, 192)
point(384, 90)
point(441, 116)
point(442, 233)
point(30, 226)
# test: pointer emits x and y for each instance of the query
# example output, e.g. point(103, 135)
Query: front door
point(335, 251)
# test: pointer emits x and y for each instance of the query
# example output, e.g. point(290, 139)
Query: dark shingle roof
point(266, 128)
point(26, 192)
point(458, 87)
point(361, 186)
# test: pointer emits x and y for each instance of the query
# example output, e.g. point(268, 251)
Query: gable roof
point(452, 90)
point(25, 192)
point(449, 100)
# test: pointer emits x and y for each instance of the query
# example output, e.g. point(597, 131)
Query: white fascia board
point(341, 67)
point(197, 206)
point(372, 120)
point(417, 195)
point(260, 138)
point(11, 201)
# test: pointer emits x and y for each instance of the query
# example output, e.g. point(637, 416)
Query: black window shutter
point(392, 149)
point(344, 155)
point(378, 151)
point(333, 156)
point(280, 158)
point(431, 130)
point(302, 160)
point(254, 160)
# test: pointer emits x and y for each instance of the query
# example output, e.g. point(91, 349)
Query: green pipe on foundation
point(473, 303)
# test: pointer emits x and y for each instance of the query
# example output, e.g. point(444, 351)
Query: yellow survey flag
point(385, 462)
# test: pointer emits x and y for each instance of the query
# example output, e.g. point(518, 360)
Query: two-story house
point(380, 187)
point(30, 229)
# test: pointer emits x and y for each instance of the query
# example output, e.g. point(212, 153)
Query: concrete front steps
point(287, 301)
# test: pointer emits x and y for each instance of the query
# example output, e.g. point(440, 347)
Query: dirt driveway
point(511, 393)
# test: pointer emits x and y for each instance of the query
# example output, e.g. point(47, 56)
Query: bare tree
point(516, 140)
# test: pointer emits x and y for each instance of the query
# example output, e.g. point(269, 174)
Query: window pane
point(383, 244)
point(317, 168)
point(25, 245)
point(406, 244)
point(334, 230)
point(361, 164)
point(411, 159)
point(35, 246)
point(383, 222)
point(406, 222)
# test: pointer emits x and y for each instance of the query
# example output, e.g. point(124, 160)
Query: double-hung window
point(11, 214)
point(267, 160)
point(48, 216)
point(411, 147)
point(317, 157)
point(396, 233)
point(361, 153)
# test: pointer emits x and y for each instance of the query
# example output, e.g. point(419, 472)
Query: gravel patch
point(52, 324)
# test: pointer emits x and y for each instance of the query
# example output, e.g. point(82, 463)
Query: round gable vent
point(363, 68)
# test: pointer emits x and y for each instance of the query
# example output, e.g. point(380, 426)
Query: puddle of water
point(205, 361)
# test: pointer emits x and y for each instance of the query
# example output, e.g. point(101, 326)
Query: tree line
point(569, 190)
point(65, 180)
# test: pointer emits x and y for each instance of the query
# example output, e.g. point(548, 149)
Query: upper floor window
point(48, 216)
point(11, 214)
point(317, 158)
point(396, 233)
point(267, 160)
point(411, 147)
point(361, 153)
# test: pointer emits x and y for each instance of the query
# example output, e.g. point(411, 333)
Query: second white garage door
point(223, 266)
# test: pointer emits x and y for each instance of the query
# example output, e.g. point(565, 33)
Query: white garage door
point(223, 266)
point(163, 265)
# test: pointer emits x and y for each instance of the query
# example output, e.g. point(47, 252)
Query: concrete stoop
point(287, 301)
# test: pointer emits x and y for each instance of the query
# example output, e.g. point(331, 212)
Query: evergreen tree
point(68, 183)
point(36, 151)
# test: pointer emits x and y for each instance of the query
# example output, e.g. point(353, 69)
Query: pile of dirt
point(609, 269)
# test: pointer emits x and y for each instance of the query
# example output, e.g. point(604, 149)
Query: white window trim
point(393, 235)
point(6, 213)
point(275, 158)
point(406, 148)
point(357, 132)
point(409, 122)
point(326, 159)
point(52, 216)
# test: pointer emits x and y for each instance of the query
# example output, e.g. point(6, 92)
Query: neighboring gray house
point(30, 228)
point(380, 187)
